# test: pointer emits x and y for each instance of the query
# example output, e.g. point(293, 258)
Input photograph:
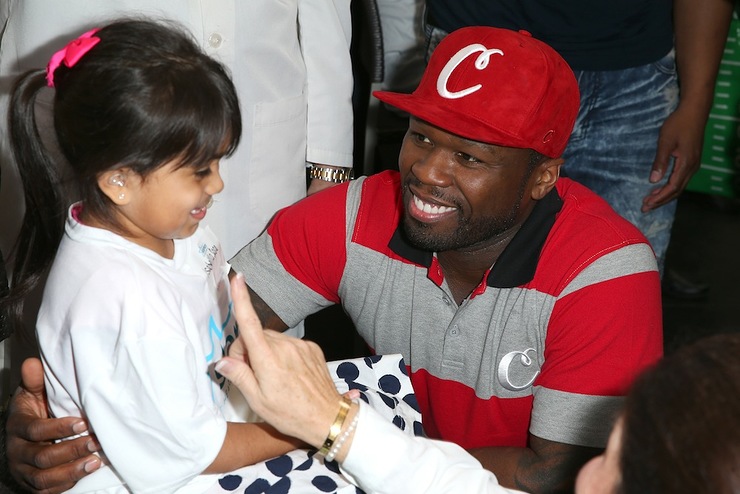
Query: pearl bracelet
point(338, 444)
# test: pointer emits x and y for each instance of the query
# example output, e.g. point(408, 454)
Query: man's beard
point(467, 234)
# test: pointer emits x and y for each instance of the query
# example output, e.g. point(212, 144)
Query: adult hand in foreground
point(284, 379)
point(35, 461)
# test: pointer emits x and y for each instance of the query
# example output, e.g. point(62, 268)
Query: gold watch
point(331, 174)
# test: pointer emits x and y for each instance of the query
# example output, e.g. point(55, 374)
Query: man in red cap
point(523, 305)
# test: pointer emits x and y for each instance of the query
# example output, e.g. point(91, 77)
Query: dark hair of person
point(145, 95)
point(681, 429)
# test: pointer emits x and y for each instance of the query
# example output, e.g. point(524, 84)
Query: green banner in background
point(719, 173)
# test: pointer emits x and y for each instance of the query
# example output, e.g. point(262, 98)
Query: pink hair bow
point(71, 53)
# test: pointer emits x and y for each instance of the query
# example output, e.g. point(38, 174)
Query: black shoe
point(677, 286)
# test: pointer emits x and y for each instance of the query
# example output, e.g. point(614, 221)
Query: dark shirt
point(589, 34)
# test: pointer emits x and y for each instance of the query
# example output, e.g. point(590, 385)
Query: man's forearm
point(701, 33)
point(548, 468)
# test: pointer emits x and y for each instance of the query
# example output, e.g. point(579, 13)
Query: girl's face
point(169, 204)
point(601, 475)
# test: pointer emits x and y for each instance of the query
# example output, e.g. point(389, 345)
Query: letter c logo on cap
point(480, 63)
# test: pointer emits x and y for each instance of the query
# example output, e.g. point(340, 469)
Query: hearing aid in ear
point(116, 179)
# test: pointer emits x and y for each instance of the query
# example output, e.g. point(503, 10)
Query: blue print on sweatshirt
point(221, 338)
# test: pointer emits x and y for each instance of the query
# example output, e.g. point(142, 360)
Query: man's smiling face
point(461, 194)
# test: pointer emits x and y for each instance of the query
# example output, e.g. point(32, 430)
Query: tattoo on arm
point(553, 468)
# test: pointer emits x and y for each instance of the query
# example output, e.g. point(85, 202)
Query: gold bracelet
point(339, 442)
point(331, 174)
point(336, 427)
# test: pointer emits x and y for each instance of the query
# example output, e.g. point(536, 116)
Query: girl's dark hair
point(145, 95)
point(680, 432)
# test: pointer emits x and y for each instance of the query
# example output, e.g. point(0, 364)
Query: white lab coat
point(291, 66)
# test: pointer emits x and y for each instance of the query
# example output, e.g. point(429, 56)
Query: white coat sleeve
point(325, 30)
point(383, 459)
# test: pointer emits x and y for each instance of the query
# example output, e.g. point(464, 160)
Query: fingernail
point(655, 176)
point(221, 365)
point(79, 427)
point(91, 465)
point(240, 276)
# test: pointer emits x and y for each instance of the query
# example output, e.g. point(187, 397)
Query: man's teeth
point(429, 209)
point(196, 211)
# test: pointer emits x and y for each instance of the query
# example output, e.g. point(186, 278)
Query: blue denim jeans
point(614, 141)
point(615, 138)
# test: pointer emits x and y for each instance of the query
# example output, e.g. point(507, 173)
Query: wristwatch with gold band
point(331, 174)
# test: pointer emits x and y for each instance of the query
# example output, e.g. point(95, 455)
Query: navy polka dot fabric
point(383, 384)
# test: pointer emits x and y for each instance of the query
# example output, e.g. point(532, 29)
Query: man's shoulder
point(587, 215)
point(378, 209)
point(381, 186)
point(367, 197)
point(588, 231)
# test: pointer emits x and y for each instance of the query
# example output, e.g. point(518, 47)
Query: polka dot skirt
point(383, 384)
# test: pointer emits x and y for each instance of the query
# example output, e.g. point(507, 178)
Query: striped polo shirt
point(548, 343)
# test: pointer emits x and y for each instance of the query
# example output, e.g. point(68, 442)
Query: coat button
point(215, 40)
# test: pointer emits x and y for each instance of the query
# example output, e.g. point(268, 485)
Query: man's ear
point(545, 176)
point(114, 185)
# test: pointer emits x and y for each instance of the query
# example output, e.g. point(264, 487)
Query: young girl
point(136, 307)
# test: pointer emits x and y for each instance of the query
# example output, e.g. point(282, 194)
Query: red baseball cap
point(496, 86)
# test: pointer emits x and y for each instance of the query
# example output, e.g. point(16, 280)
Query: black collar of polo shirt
point(518, 262)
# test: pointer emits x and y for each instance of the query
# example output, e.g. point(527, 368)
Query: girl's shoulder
point(105, 270)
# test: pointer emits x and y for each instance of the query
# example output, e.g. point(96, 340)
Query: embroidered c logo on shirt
point(480, 63)
point(524, 360)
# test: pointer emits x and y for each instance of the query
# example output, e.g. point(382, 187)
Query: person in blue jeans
point(646, 71)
